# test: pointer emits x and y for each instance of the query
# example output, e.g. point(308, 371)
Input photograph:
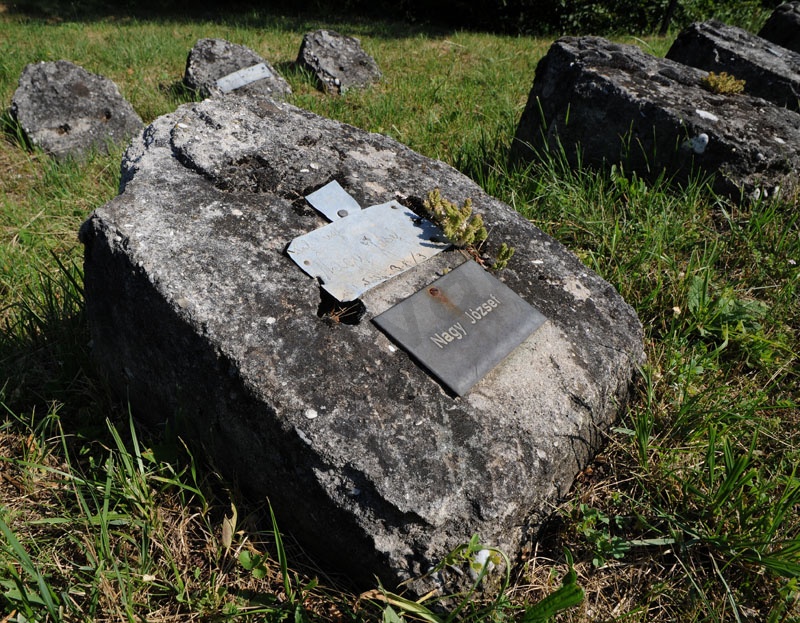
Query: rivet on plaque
point(333, 201)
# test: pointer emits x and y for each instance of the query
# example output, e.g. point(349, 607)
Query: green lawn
point(691, 514)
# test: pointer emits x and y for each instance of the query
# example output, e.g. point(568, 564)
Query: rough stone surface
point(212, 59)
point(614, 103)
point(783, 26)
point(338, 62)
point(769, 71)
point(67, 111)
point(197, 314)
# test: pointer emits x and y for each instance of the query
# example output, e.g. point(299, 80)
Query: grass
point(692, 512)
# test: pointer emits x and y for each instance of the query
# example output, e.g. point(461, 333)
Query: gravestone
point(613, 103)
point(769, 71)
point(338, 62)
point(783, 26)
point(216, 67)
point(67, 111)
point(207, 306)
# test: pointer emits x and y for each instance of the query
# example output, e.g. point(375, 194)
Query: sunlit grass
point(692, 511)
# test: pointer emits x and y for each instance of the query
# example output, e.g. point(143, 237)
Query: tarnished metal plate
point(333, 201)
point(354, 254)
point(462, 325)
point(240, 78)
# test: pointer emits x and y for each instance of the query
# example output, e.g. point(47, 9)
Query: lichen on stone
point(722, 83)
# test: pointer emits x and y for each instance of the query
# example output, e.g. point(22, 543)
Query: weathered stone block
point(783, 26)
point(769, 71)
point(338, 62)
point(213, 59)
point(613, 103)
point(197, 314)
point(66, 110)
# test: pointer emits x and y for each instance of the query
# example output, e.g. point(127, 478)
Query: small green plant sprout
point(598, 529)
point(460, 226)
point(255, 563)
point(503, 255)
point(722, 83)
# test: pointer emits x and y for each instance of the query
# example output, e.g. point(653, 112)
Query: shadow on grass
point(46, 366)
point(49, 388)
point(179, 93)
point(12, 131)
point(288, 16)
point(44, 352)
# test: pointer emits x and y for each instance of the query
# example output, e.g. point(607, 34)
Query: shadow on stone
point(768, 70)
point(601, 103)
point(783, 26)
point(340, 312)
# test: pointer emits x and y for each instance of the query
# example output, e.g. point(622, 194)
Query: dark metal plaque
point(462, 325)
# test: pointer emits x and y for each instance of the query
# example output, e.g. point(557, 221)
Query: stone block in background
point(67, 111)
point(613, 103)
point(338, 62)
point(213, 59)
point(769, 71)
point(197, 314)
point(783, 26)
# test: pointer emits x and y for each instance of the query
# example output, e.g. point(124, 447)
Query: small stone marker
point(217, 66)
point(67, 111)
point(338, 62)
point(462, 325)
point(351, 255)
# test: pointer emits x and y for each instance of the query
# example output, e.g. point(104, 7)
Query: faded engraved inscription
point(243, 77)
point(354, 254)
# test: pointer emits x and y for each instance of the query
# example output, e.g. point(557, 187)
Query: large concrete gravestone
point(216, 66)
point(198, 314)
point(67, 111)
point(613, 103)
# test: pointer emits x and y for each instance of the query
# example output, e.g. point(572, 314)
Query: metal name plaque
point(351, 255)
point(240, 78)
point(462, 325)
point(333, 201)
